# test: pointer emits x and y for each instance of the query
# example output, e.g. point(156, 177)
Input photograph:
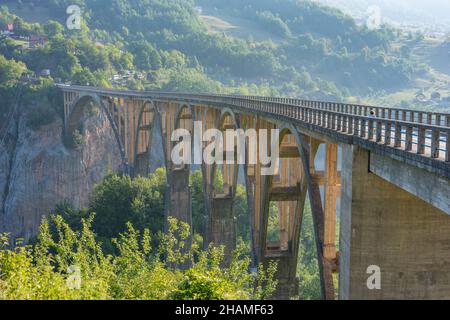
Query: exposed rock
point(44, 172)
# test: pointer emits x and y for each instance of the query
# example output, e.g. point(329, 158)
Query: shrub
point(137, 271)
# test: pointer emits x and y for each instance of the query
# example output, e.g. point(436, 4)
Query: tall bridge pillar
point(179, 198)
point(222, 228)
point(383, 225)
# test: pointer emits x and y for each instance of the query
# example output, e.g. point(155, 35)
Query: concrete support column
point(385, 226)
point(222, 226)
point(286, 275)
point(179, 197)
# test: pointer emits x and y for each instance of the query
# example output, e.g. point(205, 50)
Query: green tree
point(120, 199)
point(10, 72)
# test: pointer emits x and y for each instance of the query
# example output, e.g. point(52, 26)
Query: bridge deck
point(418, 137)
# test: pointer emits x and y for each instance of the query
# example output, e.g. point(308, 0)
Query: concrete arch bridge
point(385, 173)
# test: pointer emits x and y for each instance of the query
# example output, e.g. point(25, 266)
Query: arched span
point(76, 113)
point(283, 179)
point(184, 119)
point(286, 129)
point(180, 111)
point(305, 151)
point(145, 123)
point(225, 112)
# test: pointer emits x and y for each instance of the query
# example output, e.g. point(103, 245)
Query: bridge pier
point(179, 203)
point(286, 275)
point(222, 225)
point(385, 226)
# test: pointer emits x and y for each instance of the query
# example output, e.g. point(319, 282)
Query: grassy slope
point(438, 79)
point(237, 27)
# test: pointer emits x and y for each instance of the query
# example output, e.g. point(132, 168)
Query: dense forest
point(323, 53)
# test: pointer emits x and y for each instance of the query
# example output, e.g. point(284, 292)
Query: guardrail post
point(435, 139)
point(370, 130)
point(438, 120)
point(362, 131)
point(421, 140)
point(378, 131)
point(447, 138)
point(398, 136)
point(350, 125)
point(447, 146)
point(409, 137)
point(387, 133)
point(328, 117)
point(356, 126)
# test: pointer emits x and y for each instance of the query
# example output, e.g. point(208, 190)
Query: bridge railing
point(429, 140)
point(420, 132)
point(419, 116)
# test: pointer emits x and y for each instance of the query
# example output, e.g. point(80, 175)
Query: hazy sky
point(409, 11)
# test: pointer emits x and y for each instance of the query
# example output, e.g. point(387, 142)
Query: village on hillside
point(36, 41)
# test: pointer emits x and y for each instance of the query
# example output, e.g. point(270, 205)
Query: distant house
point(37, 41)
point(8, 30)
point(45, 73)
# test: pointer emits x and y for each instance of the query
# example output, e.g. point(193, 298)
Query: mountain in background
point(268, 47)
point(429, 15)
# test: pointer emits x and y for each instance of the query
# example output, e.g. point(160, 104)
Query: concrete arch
point(227, 112)
point(307, 152)
point(223, 114)
point(182, 107)
point(76, 113)
point(285, 129)
point(287, 191)
point(147, 106)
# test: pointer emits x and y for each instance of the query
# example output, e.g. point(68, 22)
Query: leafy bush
point(138, 271)
point(120, 199)
point(74, 141)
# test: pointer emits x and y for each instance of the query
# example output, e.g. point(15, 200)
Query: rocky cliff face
point(37, 171)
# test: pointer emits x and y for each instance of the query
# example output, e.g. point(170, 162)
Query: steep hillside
point(299, 48)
